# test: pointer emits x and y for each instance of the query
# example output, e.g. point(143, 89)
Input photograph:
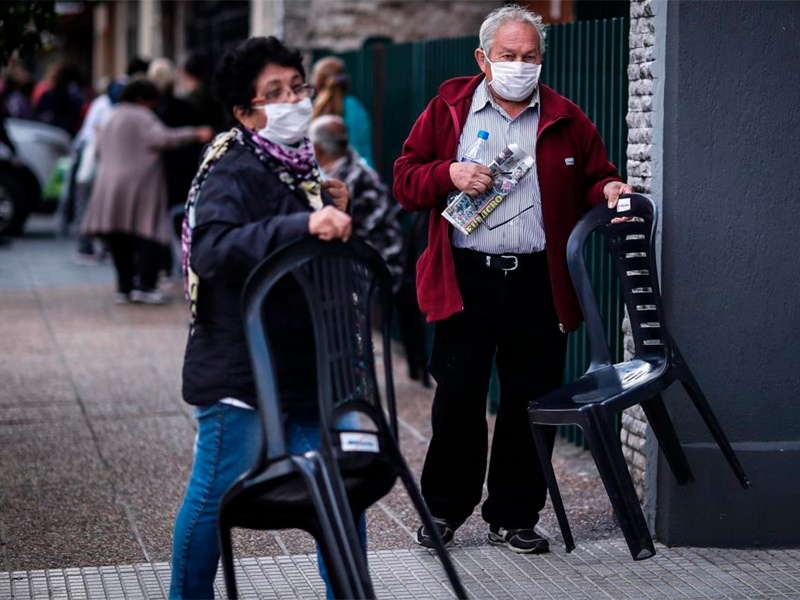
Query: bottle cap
point(483, 134)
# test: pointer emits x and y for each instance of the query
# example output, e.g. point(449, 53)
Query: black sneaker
point(447, 530)
point(523, 541)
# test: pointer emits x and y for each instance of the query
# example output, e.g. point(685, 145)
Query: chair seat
point(604, 385)
point(272, 502)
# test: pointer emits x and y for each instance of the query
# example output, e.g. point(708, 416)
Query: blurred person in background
point(374, 218)
point(329, 77)
point(206, 108)
point(81, 179)
point(258, 187)
point(129, 197)
point(7, 147)
point(17, 92)
point(81, 176)
point(62, 104)
point(180, 164)
point(4, 137)
point(137, 67)
point(45, 83)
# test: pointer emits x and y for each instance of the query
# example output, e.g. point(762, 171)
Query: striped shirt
point(516, 225)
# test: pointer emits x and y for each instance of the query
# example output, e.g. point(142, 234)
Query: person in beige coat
point(129, 199)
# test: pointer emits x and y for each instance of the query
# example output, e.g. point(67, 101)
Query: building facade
point(176, 28)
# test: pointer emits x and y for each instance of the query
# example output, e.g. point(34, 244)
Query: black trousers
point(136, 260)
point(510, 313)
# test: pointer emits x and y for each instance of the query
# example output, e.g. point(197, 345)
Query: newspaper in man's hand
point(508, 167)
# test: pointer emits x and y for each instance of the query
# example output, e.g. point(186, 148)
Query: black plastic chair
point(321, 491)
point(594, 400)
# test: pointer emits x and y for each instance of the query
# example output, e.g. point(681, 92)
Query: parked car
point(24, 177)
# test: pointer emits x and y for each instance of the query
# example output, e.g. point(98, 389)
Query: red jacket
point(422, 181)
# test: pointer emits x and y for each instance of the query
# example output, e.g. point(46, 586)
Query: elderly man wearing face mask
point(504, 289)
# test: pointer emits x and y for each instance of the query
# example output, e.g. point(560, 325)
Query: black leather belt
point(502, 262)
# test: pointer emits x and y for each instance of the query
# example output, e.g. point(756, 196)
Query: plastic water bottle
point(476, 152)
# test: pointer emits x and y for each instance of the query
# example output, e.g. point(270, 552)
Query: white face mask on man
point(514, 81)
point(287, 122)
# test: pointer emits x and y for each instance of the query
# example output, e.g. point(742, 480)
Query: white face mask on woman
point(287, 122)
point(514, 81)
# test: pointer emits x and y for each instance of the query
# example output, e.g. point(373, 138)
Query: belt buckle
point(516, 261)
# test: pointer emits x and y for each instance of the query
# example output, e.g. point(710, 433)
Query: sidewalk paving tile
point(601, 569)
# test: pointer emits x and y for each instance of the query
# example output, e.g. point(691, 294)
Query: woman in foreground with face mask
point(257, 188)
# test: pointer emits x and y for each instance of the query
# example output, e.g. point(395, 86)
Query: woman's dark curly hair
point(235, 76)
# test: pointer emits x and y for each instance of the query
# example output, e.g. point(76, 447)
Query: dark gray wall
point(731, 265)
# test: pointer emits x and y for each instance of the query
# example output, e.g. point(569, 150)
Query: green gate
point(585, 61)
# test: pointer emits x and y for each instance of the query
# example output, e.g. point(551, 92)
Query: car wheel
point(13, 208)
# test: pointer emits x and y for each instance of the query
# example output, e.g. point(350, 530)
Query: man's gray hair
point(330, 134)
point(503, 15)
point(162, 72)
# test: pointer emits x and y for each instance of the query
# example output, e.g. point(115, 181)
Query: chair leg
point(607, 453)
point(346, 523)
point(552, 485)
point(701, 404)
point(226, 555)
point(332, 540)
point(333, 510)
point(658, 419)
point(427, 519)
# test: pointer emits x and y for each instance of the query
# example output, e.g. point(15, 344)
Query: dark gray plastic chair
point(321, 491)
point(594, 400)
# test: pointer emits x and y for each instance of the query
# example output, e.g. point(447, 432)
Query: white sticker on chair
point(624, 204)
point(356, 441)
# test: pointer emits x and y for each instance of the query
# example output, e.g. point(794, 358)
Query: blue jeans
point(227, 445)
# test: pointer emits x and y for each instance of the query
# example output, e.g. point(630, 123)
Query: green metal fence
point(586, 62)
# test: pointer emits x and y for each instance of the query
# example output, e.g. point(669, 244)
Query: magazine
point(508, 167)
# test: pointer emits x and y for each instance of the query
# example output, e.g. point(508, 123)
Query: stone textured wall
point(640, 95)
point(344, 24)
point(640, 145)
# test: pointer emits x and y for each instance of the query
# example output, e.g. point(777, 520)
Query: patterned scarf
point(297, 169)
point(301, 160)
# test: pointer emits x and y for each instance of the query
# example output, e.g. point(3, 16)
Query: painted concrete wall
point(731, 264)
